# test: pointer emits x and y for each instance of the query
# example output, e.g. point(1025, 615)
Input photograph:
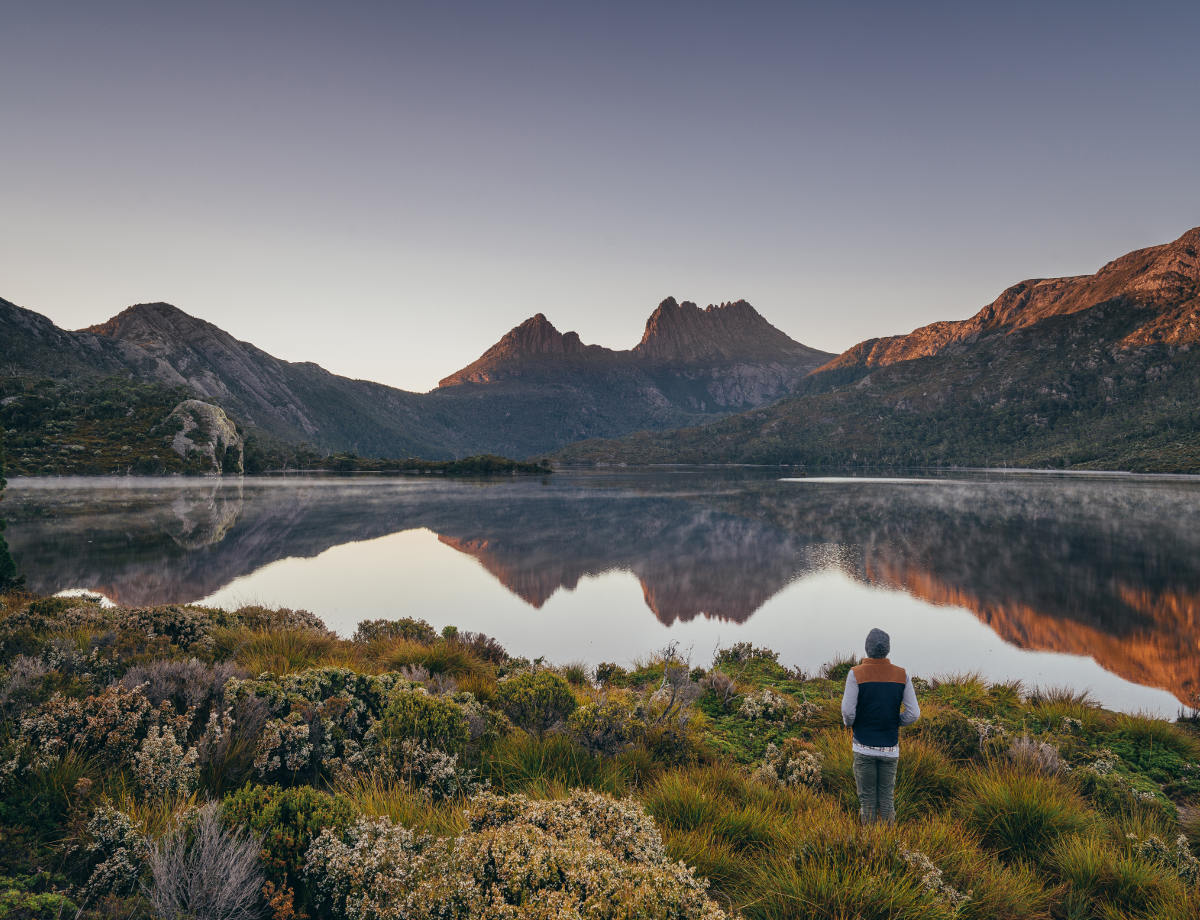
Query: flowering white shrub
point(791, 765)
point(770, 706)
point(1178, 859)
point(934, 880)
point(435, 773)
point(108, 726)
point(117, 851)
point(318, 719)
point(163, 767)
point(585, 856)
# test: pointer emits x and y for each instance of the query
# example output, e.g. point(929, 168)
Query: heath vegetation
point(189, 762)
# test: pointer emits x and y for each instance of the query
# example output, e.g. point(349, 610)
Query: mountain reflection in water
point(1107, 568)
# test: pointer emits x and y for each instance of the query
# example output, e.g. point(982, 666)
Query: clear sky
point(387, 187)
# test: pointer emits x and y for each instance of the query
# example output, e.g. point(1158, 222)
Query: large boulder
point(206, 437)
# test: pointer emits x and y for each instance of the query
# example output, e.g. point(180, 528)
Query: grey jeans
point(875, 778)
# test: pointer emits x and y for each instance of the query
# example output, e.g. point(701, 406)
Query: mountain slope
point(1091, 371)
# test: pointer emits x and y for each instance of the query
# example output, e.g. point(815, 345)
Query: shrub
point(483, 647)
point(116, 854)
point(720, 685)
point(107, 726)
point(203, 870)
point(286, 821)
point(582, 856)
point(535, 700)
point(1021, 815)
point(793, 764)
point(263, 619)
point(162, 767)
point(741, 653)
point(1035, 756)
point(416, 715)
point(606, 726)
point(768, 706)
point(21, 686)
point(839, 667)
point(609, 673)
point(404, 628)
point(318, 718)
point(951, 731)
point(185, 684)
point(33, 897)
point(422, 734)
point(933, 879)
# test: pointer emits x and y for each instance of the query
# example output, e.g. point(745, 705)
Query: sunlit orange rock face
point(1162, 651)
point(1163, 281)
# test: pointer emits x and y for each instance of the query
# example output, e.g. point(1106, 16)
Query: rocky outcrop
point(205, 435)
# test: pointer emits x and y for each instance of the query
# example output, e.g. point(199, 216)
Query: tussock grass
point(1020, 814)
point(546, 767)
point(1104, 879)
point(965, 691)
point(153, 816)
point(383, 797)
point(441, 657)
point(577, 673)
point(1151, 733)
point(287, 650)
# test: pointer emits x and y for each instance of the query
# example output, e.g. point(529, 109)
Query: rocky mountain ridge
point(1163, 281)
point(677, 335)
point(534, 391)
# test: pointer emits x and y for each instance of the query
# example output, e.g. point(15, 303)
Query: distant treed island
point(1088, 372)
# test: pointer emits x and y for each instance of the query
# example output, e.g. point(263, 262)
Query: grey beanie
point(879, 644)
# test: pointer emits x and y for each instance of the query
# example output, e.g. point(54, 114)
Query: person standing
point(879, 699)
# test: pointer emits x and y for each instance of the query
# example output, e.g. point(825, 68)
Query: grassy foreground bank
point(181, 761)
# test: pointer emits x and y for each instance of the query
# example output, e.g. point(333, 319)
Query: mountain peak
point(143, 318)
point(534, 339)
point(730, 331)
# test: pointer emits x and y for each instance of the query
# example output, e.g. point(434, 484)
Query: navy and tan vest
point(880, 693)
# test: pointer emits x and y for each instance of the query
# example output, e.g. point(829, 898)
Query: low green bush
point(606, 726)
point(416, 715)
point(288, 820)
point(536, 700)
point(403, 628)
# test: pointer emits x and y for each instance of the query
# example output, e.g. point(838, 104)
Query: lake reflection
point(1087, 581)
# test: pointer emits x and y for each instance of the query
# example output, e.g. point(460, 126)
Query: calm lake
point(1087, 581)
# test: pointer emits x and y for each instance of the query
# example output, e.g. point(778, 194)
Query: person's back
point(878, 700)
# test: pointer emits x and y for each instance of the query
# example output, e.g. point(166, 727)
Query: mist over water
point(1086, 581)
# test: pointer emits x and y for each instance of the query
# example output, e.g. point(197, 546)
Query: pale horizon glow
point(387, 188)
